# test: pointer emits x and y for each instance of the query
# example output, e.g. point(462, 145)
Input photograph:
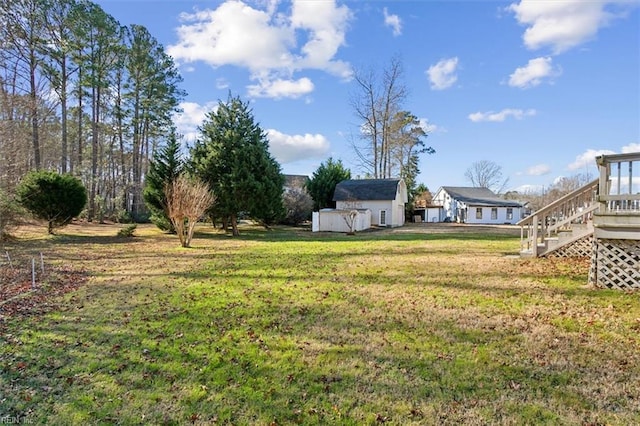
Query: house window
point(509, 213)
point(494, 213)
point(383, 218)
point(478, 212)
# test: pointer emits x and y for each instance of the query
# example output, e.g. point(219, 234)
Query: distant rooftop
point(366, 189)
point(479, 196)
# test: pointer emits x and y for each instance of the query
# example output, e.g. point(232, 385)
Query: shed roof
point(479, 196)
point(366, 189)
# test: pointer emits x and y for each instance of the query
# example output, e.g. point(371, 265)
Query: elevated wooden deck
point(600, 220)
point(615, 262)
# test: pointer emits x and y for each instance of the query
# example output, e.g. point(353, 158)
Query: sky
point(539, 87)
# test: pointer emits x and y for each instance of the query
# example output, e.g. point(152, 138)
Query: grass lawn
point(286, 327)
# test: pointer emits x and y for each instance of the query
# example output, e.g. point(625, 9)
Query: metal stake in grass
point(9, 259)
point(33, 273)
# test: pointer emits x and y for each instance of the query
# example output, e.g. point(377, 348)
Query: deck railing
point(619, 188)
point(576, 207)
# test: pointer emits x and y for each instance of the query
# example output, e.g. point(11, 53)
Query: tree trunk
point(64, 160)
point(94, 152)
point(234, 225)
point(35, 137)
point(80, 98)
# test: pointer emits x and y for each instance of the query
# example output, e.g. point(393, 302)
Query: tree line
point(82, 94)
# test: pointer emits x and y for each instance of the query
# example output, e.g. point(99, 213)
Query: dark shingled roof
point(366, 189)
point(479, 196)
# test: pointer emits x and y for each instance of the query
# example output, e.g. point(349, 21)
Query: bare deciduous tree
point(187, 200)
point(375, 104)
point(350, 215)
point(486, 174)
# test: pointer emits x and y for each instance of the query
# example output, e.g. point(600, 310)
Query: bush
point(162, 222)
point(128, 231)
point(298, 205)
point(52, 197)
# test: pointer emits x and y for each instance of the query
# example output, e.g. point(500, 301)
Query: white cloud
point(518, 114)
point(221, 83)
point(192, 116)
point(632, 147)
point(289, 148)
point(532, 74)
point(393, 21)
point(266, 41)
point(442, 75)
point(588, 158)
point(279, 88)
point(429, 127)
point(233, 34)
point(562, 24)
point(538, 170)
point(529, 189)
point(326, 25)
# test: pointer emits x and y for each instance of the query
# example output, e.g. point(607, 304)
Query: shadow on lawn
point(285, 234)
point(289, 359)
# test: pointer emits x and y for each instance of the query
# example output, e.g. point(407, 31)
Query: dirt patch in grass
point(19, 299)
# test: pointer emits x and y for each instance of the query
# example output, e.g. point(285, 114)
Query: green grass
point(286, 327)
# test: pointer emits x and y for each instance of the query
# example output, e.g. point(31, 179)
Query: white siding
point(375, 207)
point(450, 207)
point(433, 214)
point(458, 211)
point(486, 215)
point(329, 220)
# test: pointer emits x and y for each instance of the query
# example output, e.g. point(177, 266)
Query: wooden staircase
point(564, 227)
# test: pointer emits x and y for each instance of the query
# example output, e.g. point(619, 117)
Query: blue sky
point(538, 87)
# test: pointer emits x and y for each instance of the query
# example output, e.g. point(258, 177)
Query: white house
point(477, 205)
point(385, 198)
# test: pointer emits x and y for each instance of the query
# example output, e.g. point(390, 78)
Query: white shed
point(334, 220)
point(386, 198)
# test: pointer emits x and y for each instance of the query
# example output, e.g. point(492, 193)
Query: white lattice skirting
point(615, 264)
point(579, 248)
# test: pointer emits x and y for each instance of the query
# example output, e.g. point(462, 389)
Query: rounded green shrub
point(52, 197)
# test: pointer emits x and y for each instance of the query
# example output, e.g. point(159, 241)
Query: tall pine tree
point(165, 167)
point(323, 183)
point(232, 155)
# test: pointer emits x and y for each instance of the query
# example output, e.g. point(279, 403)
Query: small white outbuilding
point(379, 202)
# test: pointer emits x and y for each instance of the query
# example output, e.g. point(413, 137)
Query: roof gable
point(366, 189)
point(478, 196)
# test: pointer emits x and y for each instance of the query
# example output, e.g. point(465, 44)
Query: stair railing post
point(534, 236)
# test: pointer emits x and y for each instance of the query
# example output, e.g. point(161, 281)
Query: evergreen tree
point(323, 183)
point(165, 167)
point(52, 197)
point(232, 156)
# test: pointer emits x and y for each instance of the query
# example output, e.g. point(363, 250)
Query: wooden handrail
point(627, 201)
point(591, 186)
point(577, 205)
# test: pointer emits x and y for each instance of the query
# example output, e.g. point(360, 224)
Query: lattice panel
point(617, 264)
point(579, 248)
